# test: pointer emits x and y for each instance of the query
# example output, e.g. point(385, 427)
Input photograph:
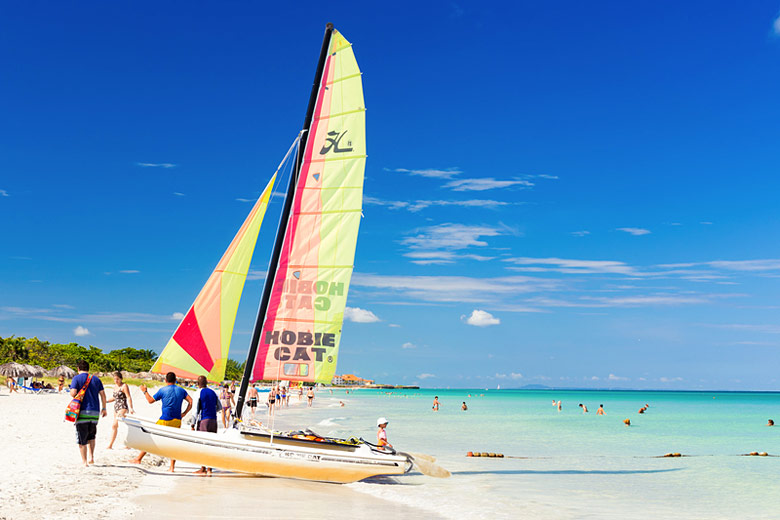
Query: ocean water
point(569, 465)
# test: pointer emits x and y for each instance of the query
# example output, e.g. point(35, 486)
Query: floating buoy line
point(492, 455)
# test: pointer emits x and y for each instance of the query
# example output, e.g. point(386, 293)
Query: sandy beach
point(44, 477)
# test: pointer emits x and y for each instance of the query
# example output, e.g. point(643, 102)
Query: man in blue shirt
point(208, 404)
point(171, 396)
point(93, 407)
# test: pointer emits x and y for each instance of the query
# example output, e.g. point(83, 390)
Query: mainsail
point(201, 342)
point(301, 332)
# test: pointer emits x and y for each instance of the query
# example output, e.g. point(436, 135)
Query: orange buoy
point(470, 454)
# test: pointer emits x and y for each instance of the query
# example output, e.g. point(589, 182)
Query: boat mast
point(282, 229)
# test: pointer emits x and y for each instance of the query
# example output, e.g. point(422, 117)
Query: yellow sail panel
point(201, 343)
point(302, 328)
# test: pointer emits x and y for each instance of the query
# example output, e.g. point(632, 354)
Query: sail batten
point(301, 329)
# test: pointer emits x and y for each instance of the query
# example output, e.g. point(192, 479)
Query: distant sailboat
point(298, 327)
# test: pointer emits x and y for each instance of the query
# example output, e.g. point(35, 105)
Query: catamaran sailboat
point(298, 328)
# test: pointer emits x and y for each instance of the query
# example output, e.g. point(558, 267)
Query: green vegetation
point(234, 370)
point(50, 355)
point(33, 351)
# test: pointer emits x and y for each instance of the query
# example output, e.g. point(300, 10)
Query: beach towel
point(74, 407)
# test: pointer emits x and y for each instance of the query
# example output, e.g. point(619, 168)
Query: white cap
point(381, 421)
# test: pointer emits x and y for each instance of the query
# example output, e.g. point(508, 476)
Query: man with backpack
point(93, 407)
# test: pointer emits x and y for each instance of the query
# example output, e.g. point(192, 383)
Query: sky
point(571, 194)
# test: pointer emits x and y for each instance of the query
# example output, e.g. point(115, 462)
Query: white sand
point(43, 476)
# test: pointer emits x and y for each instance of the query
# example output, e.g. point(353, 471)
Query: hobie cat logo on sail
point(334, 141)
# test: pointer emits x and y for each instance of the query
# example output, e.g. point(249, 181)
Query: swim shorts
point(85, 432)
point(173, 423)
point(252, 403)
point(207, 425)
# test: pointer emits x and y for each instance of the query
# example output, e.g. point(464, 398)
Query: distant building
point(351, 380)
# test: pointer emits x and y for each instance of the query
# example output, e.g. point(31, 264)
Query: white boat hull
point(250, 453)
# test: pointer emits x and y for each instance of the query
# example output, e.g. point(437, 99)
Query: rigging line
point(293, 146)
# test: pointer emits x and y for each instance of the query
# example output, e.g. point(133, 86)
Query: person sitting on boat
point(172, 396)
point(381, 434)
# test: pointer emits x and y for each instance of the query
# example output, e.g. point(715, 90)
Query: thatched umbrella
point(14, 370)
point(34, 371)
point(62, 370)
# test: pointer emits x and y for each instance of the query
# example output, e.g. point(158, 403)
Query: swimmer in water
point(642, 410)
point(555, 403)
point(627, 422)
point(770, 422)
point(584, 408)
point(559, 405)
point(464, 407)
point(600, 411)
point(436, 403)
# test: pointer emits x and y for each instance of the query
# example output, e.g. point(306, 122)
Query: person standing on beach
point(171, 396)
point(93, 407)
point(381, 434)
point(436, 403)
point(226, 399)
point(208, 402)
point(123, 403)
point(252, 402)
point(600, 411)
point(310, 396)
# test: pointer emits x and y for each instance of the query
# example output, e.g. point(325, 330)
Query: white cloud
point(425, 376)
point(254, 274)
point(81, 331)
point(155, 165)
point(594, 378)
point(245, 200)
point(359, 315)
point(613, 377)
point(4, 193)
point(580, 233)
point(764, 329)
point(706, 223)
point(408, 345)
point(746, 265)
point(129, 271)
point(454, 288)
point(516, 375)
point(177, 316)
point(419, 205)
point(670, 379)
point(62, 306)
point(447, 173)
point(570, 266)
point(450, 237)
point(776, 26)
point(178, 194)
point(394, 325)
point(480, 318)
point(482, 184)
point(635, 231)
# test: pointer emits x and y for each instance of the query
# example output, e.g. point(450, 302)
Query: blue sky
point(567, 194)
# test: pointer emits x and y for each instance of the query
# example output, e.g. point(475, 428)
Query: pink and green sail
point(200, 345)
point(302, 328)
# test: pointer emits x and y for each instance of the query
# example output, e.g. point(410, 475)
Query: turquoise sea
point(578, 465)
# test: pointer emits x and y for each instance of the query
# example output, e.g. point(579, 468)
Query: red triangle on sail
point(189, 337)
